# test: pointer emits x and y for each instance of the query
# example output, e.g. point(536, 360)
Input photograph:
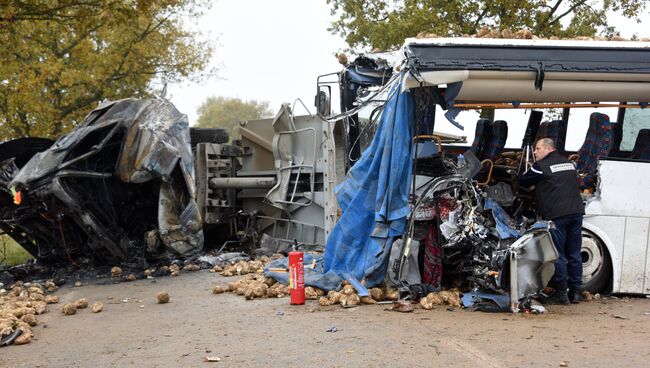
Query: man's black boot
point(559, 296)
point(575, 296)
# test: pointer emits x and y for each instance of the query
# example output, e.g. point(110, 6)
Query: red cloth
point(432, 274)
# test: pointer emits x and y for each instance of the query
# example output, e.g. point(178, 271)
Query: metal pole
point(242, 183)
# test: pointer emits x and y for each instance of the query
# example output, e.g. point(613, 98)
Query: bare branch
point(479, 18)
point(569, 11)
point(548, 16)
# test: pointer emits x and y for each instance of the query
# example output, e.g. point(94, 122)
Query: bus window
point(517, 121)
point(466, 118)
point(579, 123)
point(635, 120)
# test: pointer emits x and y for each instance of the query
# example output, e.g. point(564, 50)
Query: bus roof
point(473, 41)
point(515, 70)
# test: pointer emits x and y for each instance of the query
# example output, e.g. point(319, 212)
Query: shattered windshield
point(369, 115)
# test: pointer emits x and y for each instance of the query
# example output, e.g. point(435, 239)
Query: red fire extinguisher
point(296, 278)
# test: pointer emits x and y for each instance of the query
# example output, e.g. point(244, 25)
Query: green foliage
point(224, 112)
point(11, 253)
point(61, 57)
point(384, 24)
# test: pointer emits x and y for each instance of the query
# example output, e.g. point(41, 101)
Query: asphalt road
point(135, 331)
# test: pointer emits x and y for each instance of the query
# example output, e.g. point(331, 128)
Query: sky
point(274, 51)
point(265, 50)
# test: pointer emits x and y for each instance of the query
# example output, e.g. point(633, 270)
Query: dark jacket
point(556, 187)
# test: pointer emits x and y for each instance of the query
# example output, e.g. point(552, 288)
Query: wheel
point(209, 135)
point(23, 149)
point(596, 264)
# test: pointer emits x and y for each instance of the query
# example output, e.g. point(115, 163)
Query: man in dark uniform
point(557, 198)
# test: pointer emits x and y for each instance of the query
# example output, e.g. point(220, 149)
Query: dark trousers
point(568, 241)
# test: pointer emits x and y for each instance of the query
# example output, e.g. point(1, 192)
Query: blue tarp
point(374, 200)
point(472, 298)
point(503, 221)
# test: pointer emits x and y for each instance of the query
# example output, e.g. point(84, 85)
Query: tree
point(61, 57)
point(384, 24)
point(225, 112)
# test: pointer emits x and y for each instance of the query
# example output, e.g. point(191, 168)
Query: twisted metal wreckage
point(134, 182)
point(129, 183)
point(118, 186)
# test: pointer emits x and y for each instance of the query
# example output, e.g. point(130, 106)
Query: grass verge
point(11, 253)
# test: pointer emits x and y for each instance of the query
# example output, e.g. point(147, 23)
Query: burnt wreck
point(119, 187)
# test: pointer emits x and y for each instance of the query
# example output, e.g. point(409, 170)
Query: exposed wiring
point(368, 101)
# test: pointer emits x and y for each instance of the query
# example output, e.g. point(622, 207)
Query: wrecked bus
point(589, 97)
point(132, 181)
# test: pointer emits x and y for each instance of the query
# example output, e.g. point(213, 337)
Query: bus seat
point(542, 132)
point(598, 143)
point(480, 137)
point(641, 148)
point(617, 136)
point(557, 132)
point(497, 140)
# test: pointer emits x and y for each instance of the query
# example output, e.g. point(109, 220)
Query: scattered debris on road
point(97, 307)
point(19, 307)
point(163, 297)
point(116, 271)
point(69, 309)
point(218, 289)
point(451, 298)
point(402, 306)
point(81, 303)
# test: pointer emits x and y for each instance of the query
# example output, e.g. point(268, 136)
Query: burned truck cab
point(119, 187)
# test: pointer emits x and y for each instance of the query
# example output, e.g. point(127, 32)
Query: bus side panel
point(622, 189)
point(623, 193)
point(634, 254)
point(646, 283)
point(611, 231)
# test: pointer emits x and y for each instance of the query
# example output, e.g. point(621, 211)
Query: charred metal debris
point(119, 187)
point(462, 235)
point(133, 183)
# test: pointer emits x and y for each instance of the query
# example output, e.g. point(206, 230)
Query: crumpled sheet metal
point(156, 146)
point(157, 143)
point(504, 224)
point(7, 170)
point(157, 138)
point(533, 256)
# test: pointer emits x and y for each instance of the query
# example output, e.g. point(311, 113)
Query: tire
point(596, 264)
point(209, 135)
point(23, 149)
